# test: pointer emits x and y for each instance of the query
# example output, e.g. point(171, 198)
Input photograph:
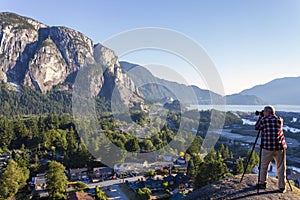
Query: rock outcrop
point(42, 57)
point(231, 188)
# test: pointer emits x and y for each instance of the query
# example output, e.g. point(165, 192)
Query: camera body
point(260, 113)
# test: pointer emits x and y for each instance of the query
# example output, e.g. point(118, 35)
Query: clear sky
point(251, 42)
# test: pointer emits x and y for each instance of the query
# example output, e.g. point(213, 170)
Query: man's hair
point(270, 109)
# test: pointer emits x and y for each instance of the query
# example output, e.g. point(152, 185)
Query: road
point(113, 182)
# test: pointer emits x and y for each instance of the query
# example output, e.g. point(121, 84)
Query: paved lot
point(115, 192)
point(111, 187)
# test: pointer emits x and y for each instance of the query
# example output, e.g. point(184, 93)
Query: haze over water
point(246, 108)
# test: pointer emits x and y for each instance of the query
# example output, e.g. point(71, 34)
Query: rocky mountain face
point(42, 57)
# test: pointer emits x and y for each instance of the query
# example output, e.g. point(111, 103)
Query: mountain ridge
point(202, 96)
point(43, 57)
point(278, 91)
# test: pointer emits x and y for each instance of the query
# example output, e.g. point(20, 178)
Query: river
point(245, 108)
point(251, 139)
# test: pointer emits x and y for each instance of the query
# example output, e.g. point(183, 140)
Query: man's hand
point(257, 146)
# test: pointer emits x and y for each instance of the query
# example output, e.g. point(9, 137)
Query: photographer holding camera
point(273, 145)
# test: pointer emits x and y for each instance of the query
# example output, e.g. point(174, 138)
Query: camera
point(260, 113)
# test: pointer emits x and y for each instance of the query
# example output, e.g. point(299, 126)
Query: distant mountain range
point(44, 58)
point(154, 89)
point(157, 88)
point(284, 91)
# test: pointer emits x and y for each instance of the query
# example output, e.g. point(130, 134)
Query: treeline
point(56, 135)
point(217, 165)
point(44, 137)
point(29, 101)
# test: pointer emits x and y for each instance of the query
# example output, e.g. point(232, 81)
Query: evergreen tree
point(210, 171)
point(254, 160)
point(6, 133)
point(20, 129)
point(148, 145)
point(240, 167)
point(194, 148)
point(12, 179)
point(22, 158)
point(194, 165)
point(56, 180)
point(33, 127)
point(191, 172)
point(132, 145)
point(224, 151)
point(212, 155)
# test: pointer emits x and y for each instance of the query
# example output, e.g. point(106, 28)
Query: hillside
point(155, 89)
point(231, 188)
point(44, 58)
point(284, 91)
point(243, 99)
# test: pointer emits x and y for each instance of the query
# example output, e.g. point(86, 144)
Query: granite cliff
point(43, 57)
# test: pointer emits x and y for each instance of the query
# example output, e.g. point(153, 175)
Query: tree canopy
point(56, 180)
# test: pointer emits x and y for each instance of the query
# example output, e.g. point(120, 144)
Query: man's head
point(269, 110)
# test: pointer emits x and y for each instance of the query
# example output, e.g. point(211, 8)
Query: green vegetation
point(100, 195)
point(34, 102)
point(216, 165)
point(46, 43)
point(28, 123)
point(12, 179)
point(254, 160)
point(11, 18)
point(239, 167)
point(56, 180)
point(143, 194)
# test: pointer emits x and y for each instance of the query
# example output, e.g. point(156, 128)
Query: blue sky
point(250, 41)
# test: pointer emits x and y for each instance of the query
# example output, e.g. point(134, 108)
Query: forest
point(39, 129)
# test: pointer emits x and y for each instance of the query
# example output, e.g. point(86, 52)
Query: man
point(273, 146)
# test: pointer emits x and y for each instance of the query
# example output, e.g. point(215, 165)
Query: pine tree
point(56, 180)
point(210, 171)
point(12, 179)
point(240, 167)
point(191, 172)
point(132, 145)
point(6, 133)
point(252, 162)
point(224, 151)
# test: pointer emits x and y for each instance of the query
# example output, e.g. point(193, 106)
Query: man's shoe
point(262, 186)
point(282, 190)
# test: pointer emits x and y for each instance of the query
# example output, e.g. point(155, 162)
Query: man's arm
point(258, 125)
